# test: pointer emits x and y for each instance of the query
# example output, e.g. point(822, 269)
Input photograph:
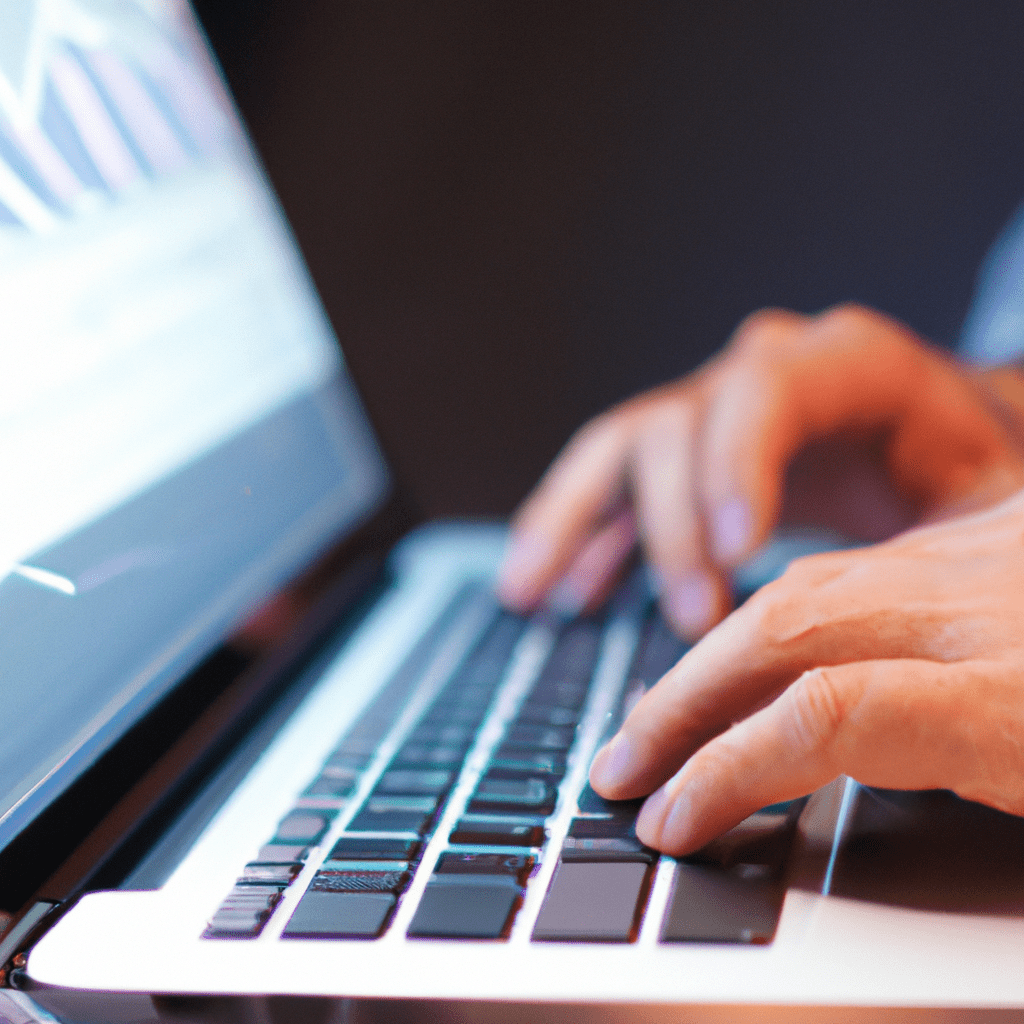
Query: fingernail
point(676, 826)
point(690, 602)
point(731, 529)
point(649, 820)
point(614, 764)
point(525, 555)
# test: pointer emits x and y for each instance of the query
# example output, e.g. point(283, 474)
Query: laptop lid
point(178, 433)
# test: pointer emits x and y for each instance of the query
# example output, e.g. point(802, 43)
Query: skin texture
point(900, 664)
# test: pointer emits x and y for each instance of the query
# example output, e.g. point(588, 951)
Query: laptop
point(272, 751)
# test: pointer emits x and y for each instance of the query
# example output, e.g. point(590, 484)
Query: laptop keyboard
point(400, 770)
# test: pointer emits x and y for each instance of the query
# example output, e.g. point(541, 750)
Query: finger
point(569, 504)
point(692, 591)
point(885, 723)
point(825, 610)
point(790, 381)
point(596, 570)
point(747, 438)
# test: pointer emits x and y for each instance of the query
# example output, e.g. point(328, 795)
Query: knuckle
point(818, 709)
point(764, 332)
point(607, 428)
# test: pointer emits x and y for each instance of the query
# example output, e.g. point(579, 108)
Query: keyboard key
point(710, 903)
point(303, 827)
point(543, 714)
point(331, 785)
point(243, 913)
point(252, 896)
point(517, 759)
point(381, 818)
point(593, 902)
point(468, 715)
point(429, 755)
point(340, 915)
point(415, 781)
point(465, 907)
point(269, 874)
point(443, 735)
point(659, 649)
point(356, 866)
point(764, 838)
point(236, 924)
point(472, 832)
point(590, 803)
point(516, 865)
point(569, 695)
point(362, 848)
point(277, 853)
point(540, 737)
point(360, 881)
point(529, 795)
point(594, 839)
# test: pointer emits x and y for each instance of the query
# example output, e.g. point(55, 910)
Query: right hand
point(845, 420)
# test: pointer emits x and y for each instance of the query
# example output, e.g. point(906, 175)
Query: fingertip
point(651, 818)
point(519, 580)
point(693, 602)
point(732, 531)
point(614, 768)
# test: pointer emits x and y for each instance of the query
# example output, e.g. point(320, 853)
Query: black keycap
point(540, 737)
point(533, 713)
point(593, 902)
point(468, 716)
point(276, 853)
point(330, 785)
point(377, 817)
point(561, 694)
point(590, 803)
point(574, 655)
point(302, 826)
point(465, 907)
point(360, 881)
point(269, 874)
point(764, 838)
point(594, 839)
point(252, 895)
point(236, 924)
point(443, 735)
point(340, 915)
point(429, 755)
point(516, 865)
point(530, 761)
point(243, 913)
point(529, 795)
point(363, 848)
point(710, 903)
point(659, 649)
point(415, 782)
point(470, 832)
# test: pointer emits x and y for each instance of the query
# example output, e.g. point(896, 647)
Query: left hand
point(901, 665)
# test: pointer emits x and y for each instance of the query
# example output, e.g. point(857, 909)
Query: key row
point(407, 797)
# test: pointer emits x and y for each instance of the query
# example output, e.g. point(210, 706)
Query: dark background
point(519, 212)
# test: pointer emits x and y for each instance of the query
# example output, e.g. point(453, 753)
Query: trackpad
point(932, 851)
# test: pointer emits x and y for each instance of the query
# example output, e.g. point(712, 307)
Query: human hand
point(901, 665)
point(844, 420)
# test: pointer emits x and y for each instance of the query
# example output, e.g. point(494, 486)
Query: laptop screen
point(177, 432)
